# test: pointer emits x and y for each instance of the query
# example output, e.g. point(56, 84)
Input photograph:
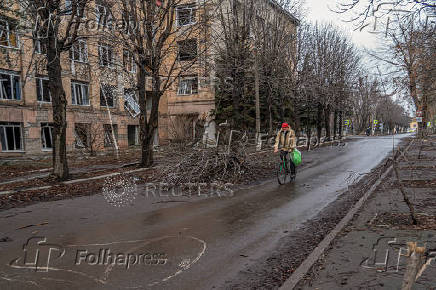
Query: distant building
point(413, 125)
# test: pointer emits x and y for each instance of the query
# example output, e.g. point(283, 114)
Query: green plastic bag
point(296, 157)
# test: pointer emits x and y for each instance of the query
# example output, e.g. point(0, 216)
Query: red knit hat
point(285, 125)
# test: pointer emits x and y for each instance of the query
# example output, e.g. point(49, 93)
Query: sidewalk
point(371, 251)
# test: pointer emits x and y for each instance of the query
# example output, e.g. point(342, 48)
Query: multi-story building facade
point(97, 78)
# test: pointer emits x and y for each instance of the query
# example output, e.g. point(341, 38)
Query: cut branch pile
point(205, 166)
point(209, 166)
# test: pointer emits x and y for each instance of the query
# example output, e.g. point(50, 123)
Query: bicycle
point(283, 171)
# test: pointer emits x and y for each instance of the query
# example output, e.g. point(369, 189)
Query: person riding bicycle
point(287, 142)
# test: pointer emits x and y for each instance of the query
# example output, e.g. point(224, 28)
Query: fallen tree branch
point(415, 263)
point(403, 192)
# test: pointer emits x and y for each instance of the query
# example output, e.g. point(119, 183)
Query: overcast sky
point(318, 10)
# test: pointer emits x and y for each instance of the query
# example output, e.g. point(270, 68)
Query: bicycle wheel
point(281, 173)
point(293, 169)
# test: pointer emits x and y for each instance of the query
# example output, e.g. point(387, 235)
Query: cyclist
point(287, 142)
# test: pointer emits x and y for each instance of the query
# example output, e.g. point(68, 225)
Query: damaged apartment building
point(101, 103)
point(101, 99)
point(96, 76)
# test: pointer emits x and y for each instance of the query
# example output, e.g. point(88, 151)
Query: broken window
point(186, 15)
point(105, 55)
point(81, 133)
point(131, 102)
point(11, 137)
point(188, 85)
point(129, 23)
point(79, 51)
point(79, 94)
point(8, 34)
point(47, 136)
point(39, 46)
point(10, 86)
point(133, 135)
point(103, 15)
point(108, 136)
point(187, 49)
point(42, 90)
point(107, 95)
point(129, 61)
point(69, 8)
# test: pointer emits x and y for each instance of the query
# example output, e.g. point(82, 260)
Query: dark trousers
point(289, 163)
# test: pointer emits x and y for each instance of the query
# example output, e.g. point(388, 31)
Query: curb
point(307, 264)
point(24, 179)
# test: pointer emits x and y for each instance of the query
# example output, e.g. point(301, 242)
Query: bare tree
point(407, 26)
point(409, 59)
point(327, 69)
point(163, 40)
point(55, 26)
point(364, 102)
point(369, 13)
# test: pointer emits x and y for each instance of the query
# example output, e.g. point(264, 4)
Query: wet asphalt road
point(172, 242)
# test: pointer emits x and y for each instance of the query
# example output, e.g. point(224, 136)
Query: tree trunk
point(143, 120)
point(327, 122)
point(147, 148)
point(270, 119)
point(420, 105)
point(257, 97)
point(309, 135)
point(340, 124)
point(235, 99)
point(153, 122)
point(319, 120)
point(423, 126)
point(59, 103)
point(335, 124)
